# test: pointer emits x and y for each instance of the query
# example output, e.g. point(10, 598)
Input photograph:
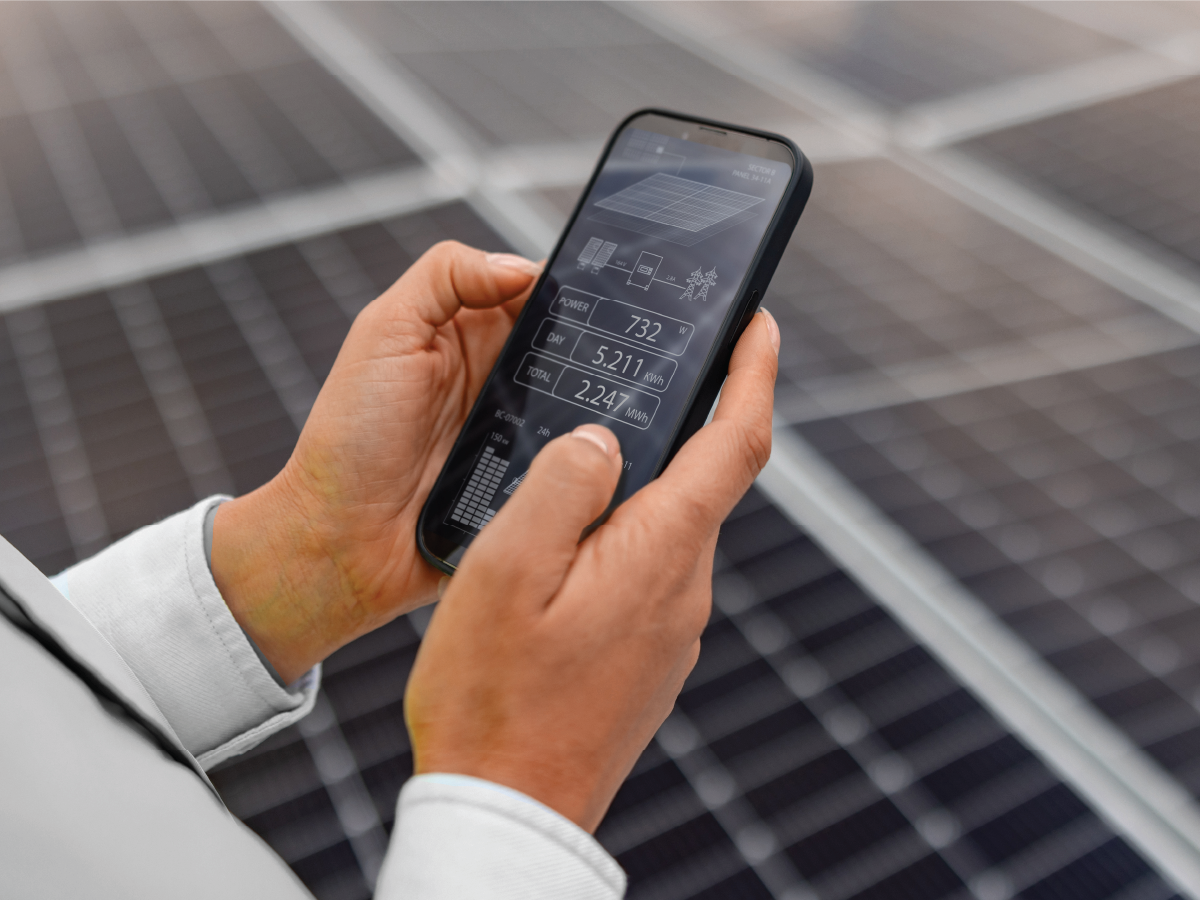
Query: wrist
point(277, 581)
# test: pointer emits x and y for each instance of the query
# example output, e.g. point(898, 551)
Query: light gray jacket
point(115, 702)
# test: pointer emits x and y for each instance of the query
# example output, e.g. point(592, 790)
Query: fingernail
point(443, 583)
point(512, 261)
point(593, 435)
point(772, 328)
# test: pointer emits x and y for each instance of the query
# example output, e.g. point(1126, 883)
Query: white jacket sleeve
point(152, 595)
point(462, 837)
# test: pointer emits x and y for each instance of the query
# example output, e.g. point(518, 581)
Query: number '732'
point(644, 327)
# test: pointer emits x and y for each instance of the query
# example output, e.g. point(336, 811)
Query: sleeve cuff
point(457, 836)
point(153, 597)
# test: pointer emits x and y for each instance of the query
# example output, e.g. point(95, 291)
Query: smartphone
point(633, 322)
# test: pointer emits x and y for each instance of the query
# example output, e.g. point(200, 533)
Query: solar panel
point(916, 52)
point(1131, 162)
point(592, 67)
point(1069, 505)
point(912, 360)
point(119, 117)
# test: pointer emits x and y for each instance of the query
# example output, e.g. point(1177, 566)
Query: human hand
point(549, 664)
point(326, 551)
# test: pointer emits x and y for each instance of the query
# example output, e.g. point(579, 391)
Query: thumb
point(524, 553)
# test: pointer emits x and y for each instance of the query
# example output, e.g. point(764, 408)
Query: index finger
point(448, 277)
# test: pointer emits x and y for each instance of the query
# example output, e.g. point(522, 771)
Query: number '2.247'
point(602, 396)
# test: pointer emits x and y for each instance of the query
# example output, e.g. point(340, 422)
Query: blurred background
point(955, 650)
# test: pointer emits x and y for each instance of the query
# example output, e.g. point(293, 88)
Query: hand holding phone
point(550, 663)
point(324, 552)
point(659, 270)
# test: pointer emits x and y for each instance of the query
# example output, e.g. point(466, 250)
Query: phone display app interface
point(623, 323)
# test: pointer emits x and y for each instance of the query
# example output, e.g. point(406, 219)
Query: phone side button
point(751, 309)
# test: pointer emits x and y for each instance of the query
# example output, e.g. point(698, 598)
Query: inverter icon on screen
point(643, 273)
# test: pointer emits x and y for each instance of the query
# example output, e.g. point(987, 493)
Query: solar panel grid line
point(132, 90)
point(59, 134)
point(339, 273)
point(1120, 260)
point(889, 702)
point(671, 809)
point(1069, 843)
point(967, 734)
point(986, 108)
point(237, 130)
point(1002, 794)
point(340, 774)
point(718, 867)
point(161, 155)
point(232, 124)
point(11, 244)
point(761, 765)
point(755, 841)
point(1146, 888)
point(1069, 350)
point(872, 646)
point(928, 364)
point(306, 839)
point(1141, 186)
point(825, 809)
point(371, 688)
point(889, 856)
point(1155, 804)
point(221, 234)
point(891, 775)
point(58, 430)
point(267, 336)
point(845, 111)
point(144, 126)
point(292, 774)
point(435, 132)
point(972, 113)
point(419, 118)
point(178, 406)
point(1149, 539)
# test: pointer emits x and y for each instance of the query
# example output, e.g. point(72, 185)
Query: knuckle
point(444, 251)
point(756, 439)
point(748, 448)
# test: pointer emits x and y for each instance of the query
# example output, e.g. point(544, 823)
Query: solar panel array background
point(119, 117)
point(1032, 428)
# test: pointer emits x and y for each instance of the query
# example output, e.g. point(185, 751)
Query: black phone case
point(744, 306)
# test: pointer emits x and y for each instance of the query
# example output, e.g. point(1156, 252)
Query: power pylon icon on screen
point(702, 280)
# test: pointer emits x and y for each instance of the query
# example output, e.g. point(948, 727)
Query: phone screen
point(626, 318)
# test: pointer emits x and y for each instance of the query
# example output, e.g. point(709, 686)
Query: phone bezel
point(745, 303)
